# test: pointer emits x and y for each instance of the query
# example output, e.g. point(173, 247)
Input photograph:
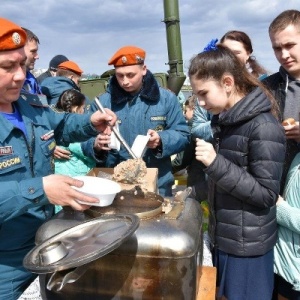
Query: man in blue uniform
point(31, 48)
point(28, 137)
point(67, 77)
point(143, 107)
point(53, 65)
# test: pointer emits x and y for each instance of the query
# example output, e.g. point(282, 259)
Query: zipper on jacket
point(211, 198)
point(217, 144)
point(30, 150)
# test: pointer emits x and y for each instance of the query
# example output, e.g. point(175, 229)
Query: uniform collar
point(149, 91)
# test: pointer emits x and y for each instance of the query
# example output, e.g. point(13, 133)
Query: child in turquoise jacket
point(78, 164)
point(286, 253)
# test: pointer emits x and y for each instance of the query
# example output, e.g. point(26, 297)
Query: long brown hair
point(244, 39)
point(215, 63)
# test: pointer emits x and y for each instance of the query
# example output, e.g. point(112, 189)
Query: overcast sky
point(90, 31)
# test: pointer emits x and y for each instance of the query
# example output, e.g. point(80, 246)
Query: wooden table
point(207, 283)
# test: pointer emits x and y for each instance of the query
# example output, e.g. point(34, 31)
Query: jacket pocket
point(48, 147)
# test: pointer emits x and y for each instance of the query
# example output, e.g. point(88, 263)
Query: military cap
point(56, 60)
point(128, 55)
point(12, 36)
point(71, 66)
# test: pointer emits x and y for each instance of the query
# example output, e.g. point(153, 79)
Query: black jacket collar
point(149, 91)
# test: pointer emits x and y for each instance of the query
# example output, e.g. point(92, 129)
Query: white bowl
point(103, 189)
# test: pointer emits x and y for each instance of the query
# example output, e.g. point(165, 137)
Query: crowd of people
point(238, 138)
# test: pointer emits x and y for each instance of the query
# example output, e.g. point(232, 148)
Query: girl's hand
point(205, 152)
point(279, 200)
point(60, 153)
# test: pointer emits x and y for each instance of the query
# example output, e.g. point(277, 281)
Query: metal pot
point(158, 261)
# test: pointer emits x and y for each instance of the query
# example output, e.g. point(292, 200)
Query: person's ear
point(228, 83)
point(144, 70)
point(249, 55)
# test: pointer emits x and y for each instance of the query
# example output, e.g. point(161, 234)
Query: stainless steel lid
point(81, 244)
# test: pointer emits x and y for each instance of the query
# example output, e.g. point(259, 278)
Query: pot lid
point(81, 244)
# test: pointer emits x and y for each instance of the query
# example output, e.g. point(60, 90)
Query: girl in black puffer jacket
point(244, 169)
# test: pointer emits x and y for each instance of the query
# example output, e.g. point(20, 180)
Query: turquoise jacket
point(24, 161)
point(287, 249)
point(78, 164)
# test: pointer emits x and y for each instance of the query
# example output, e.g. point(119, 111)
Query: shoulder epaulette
point(35, 100)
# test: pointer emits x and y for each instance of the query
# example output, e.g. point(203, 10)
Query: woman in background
point(240, 44)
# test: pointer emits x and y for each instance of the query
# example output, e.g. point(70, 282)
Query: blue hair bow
point(211, 46)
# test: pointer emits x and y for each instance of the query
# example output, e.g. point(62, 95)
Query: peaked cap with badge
point(12, 36)
point(128, 55)
point(71, 66)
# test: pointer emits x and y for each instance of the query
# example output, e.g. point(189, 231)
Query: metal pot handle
point(60, 278)
point(182, 195)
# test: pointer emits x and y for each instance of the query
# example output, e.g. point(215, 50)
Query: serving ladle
point(116, 131)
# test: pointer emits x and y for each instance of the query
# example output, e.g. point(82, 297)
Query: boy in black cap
point(53, 64)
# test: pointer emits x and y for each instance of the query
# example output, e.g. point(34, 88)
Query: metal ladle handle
point(116, 132)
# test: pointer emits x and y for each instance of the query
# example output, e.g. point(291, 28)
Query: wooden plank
point(207, 283)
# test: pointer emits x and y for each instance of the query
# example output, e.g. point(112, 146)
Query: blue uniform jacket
point(24, 160)
point(153, 108)
point(53, 87)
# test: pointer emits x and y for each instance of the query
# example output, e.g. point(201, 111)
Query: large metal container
point(159, 261)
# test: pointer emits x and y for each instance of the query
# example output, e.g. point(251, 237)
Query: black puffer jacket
point(245, 175)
